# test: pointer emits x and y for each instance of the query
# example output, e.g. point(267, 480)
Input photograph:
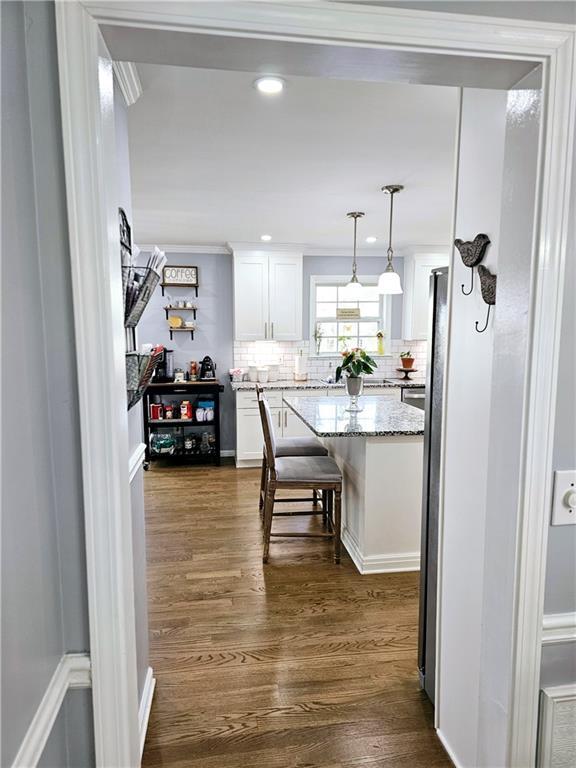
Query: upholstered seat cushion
point(299, 446)
point(309, 469)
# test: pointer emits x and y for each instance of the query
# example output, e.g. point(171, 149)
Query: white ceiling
point(212, 160)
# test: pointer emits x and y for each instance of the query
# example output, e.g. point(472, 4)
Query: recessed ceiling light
point(266, 238)
point(371, 239)
point(269, 85)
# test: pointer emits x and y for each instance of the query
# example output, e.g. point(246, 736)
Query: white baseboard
point(449, 751)
point(72, 671)
point(145, 706)
point(404, 561)
point(557, 731)
point(248, 463)
point(559, 628)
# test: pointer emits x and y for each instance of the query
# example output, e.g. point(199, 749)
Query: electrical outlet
point(564, 503)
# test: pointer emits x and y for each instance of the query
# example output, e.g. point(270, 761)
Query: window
point(331, 330)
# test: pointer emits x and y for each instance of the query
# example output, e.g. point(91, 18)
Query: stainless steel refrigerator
point(438, 325)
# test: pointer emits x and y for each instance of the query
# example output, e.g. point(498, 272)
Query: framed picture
point(180, 276)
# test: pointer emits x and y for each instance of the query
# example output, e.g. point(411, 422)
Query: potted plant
point(355, 363)
point(407, 360)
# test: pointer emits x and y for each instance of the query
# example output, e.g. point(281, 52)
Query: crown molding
point(307, 250)
point(129, 81)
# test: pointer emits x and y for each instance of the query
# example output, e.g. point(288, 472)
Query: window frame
point(340, 280)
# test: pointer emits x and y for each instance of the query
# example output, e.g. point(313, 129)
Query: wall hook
point(488, 289)
point(467, 293)
point(472, 252)
point(481, 330)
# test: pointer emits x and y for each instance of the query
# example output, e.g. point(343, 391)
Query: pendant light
point(354, 287)
point(389, 280)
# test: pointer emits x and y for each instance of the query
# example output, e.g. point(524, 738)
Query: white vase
point(354, 387)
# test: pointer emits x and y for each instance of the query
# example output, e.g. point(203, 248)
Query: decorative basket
point(138, 284)
point(139, 370)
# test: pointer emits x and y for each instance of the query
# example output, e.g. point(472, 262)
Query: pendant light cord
point(390, 251)
point(354, 258)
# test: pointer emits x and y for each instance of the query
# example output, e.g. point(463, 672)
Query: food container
point(185, 409)
point(156, 411)
point(273, 372)
point(262, 375)
point(168, 412)
point(179, 375)
point(253, 373)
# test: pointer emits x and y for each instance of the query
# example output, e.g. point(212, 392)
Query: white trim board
point(128, 80)
point(559, 628)
point(448, 749)
point(146, 706)
point(136, 459)
point(72, 671)
point(404, 561)
point(557, 731)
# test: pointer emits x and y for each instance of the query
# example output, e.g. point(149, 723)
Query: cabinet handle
point(285, 418)
point(265, 330)
point(279, 417)
point(272, 326)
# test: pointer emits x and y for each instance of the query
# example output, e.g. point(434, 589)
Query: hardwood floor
point(297, 664)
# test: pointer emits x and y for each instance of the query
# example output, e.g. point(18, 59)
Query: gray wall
point(135, 429)
point(215, 326)
point(43, 568)
point(559, 661)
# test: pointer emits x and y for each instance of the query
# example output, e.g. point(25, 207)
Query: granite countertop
point(240, 386)
point(380, 417)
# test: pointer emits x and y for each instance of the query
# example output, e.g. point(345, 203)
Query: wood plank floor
point(298, 664)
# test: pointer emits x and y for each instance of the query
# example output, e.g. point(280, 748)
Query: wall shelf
point(182, 330)
point(180, 309)
point(179, 285)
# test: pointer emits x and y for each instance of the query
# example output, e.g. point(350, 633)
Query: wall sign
point(180, 276)
point(348, 313)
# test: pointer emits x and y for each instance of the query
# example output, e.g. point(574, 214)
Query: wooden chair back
point(268, 430)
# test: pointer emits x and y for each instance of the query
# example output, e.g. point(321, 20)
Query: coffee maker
point(165, 368)
point(207, 368)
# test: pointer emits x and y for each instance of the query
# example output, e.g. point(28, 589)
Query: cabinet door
point(251, 321)
point(417, 271)
point(294, 426)
point(285, 296)
point(249, 437)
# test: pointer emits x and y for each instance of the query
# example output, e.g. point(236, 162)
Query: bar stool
point(290, 446)
point(295, 473)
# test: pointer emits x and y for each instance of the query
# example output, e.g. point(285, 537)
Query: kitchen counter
point(241, 386)
point(328, 417)
point(380, 454)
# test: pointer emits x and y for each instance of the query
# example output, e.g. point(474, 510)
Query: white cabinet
point(249, 437)
point(417, 270)
point(267, 295)
point(293, 426)
point(251, 296)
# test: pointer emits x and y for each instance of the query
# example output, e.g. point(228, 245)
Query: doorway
point(542, 343)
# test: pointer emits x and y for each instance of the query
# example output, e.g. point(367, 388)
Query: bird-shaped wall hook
point(472, 252)
point(488, 289)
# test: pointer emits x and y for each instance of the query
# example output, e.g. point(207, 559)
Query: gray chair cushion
point(309, 469)
point(299, 446)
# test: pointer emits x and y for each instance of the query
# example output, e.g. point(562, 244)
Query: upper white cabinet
point(267, 295)
point(417, 269)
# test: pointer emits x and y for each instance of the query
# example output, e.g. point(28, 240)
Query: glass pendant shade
point(353, 289)
point(389, 281)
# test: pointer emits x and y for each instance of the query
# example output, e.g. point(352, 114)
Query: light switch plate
point(564, 503)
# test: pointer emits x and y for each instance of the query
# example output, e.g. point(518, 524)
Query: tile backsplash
point(283, 354)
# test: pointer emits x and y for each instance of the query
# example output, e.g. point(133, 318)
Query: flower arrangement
point(355, 362)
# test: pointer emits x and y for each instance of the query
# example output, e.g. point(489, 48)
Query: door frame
point(93, 244)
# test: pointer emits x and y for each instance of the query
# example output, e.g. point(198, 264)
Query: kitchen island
point(380, 453)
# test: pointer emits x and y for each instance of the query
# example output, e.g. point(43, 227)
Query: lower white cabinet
point(249, 437)
point(293, 426)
